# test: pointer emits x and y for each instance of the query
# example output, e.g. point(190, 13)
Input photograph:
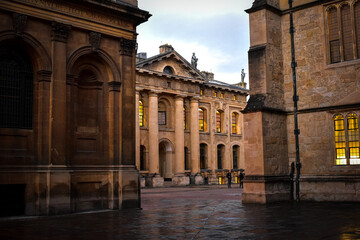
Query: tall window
point(347, 139)
point(236, 150)
point(141, 113)
point(220, 155)
point(185, 123)
point(162, 114)
point(186, 158)
point(202, 120)
point(235, 123)
point(353, 132)
point(203, 153)
point(16, 89)
point(344, 45)
point(219, 116)
point(142, 158)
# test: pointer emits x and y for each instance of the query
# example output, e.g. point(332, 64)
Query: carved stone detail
point(95, 39)
point(127, 46)
point(19, 22)
point(60, 32)
point(114, 86)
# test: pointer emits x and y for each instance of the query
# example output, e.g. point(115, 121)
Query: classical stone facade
point(327, 52)
point(67, 112)
point(190, 125)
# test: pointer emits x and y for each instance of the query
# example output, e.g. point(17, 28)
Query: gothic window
point(346, 139)
point(202, 120)
point(141, 114)
point(219, 121)
point(235, 126)
point(168, 70)
point(16, 89)
point(344, 31)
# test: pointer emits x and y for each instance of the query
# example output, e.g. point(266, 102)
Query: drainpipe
point(295, 99)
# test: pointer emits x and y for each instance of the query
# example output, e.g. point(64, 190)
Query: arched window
point(16, 89)
point(202, 120)
point(236, 155)
point(220, 156)
point(168, 70)
point(186, 158)
point(334, 40)
point(203, 155)
point(353, 133)
point(141, 114)
point(162, 113)
point(142, 158)
point(219, 121)
point(235, 126)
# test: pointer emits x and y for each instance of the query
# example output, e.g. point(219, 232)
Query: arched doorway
point(165, 160)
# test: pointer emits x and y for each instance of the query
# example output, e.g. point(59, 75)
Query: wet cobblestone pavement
point(196, 213)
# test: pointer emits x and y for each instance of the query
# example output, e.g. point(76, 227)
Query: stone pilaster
point(194, 136)
point(153, 133)
point(60, 33)
point(179, 134)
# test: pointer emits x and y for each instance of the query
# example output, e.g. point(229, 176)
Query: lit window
point(234, 97)
point(215, 94)
point(235, 123)
point(201, 92)
point(141, 113)
point(347, 140)
point(218, 121)
point(222, 95)
point(202, 120)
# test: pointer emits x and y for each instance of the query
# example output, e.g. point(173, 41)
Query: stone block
point(199, 180)
point(181, 180)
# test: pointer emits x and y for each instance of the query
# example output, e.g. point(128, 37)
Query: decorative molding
point(114, 86)
point(60, 32)
point(95, 40)
point(44, 76)
point(127, 46)
point(19, 23)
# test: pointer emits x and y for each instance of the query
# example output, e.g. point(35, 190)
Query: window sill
point(342, 64)
point(205, 133)
point(236, 135)
point(221, 134)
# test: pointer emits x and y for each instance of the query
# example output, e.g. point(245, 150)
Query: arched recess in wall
point(220, 156)
point(165, 113)
point(25, 89)
point(143, 157)
point(203, 156)
point(235, 156)
point(92, 78)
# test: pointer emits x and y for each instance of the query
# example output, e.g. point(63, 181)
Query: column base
point(180, 180)
point(154, 180)
point(265, 189)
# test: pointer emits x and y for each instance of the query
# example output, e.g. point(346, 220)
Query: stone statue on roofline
point(242, 75)
point(194, 60)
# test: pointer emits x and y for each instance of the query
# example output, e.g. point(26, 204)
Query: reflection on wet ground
point(197, 213)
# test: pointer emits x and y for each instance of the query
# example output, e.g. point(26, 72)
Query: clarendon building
point(189, 125)
point(67, 105)
point(327, 55)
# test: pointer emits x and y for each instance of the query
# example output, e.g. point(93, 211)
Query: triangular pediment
point(172, 60)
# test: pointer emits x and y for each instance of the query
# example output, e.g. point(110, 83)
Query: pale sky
point(216, 30)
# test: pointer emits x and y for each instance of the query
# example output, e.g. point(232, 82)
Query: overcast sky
point(216, 30)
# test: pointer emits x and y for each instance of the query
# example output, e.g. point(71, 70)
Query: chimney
point(166, 48)
point(208, 75)
point(141, 56)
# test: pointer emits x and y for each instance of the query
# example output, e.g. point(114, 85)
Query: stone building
point(190, 125)
point(67, 105)
point(327, 51)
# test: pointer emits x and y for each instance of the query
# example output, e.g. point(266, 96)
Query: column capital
point(180, 97)
point(127, 46)
point(195, 99)
point(60, 32)
point(154, 93)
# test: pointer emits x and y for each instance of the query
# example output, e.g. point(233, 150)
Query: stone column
point(153, 133)
point(179, 135)
point(194, 136)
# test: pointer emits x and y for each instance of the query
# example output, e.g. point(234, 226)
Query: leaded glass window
point(218, 121)
point(340, 141)
point(353, 133)
point(141, 113)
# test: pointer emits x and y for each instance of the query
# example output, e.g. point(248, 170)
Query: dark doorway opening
point(12, 200)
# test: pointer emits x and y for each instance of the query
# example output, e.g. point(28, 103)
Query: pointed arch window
point(346, 139)
point(141, 114)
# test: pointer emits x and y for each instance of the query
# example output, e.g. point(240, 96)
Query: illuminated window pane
point(201, 120)
point(340, 141)
point(234, 97)
point(201, 92)
point(222, 95)
point(233, 123)
point(218, 121)
point(353, 132)
point(141, 113)
point(215, 94)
